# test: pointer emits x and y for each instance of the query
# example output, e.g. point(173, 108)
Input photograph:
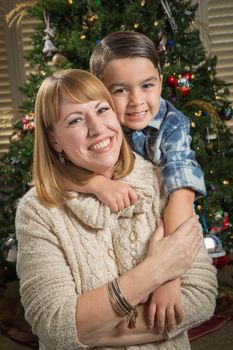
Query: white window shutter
point(6, 100)
point(15, 42)
point(217, 18)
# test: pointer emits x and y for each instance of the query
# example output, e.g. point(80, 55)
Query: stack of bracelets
point(120, 304)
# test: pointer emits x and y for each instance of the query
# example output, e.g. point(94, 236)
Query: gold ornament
point(90, 18)
point(16, 137)
point(209, 146)
point(58, 59)
point(19, 11)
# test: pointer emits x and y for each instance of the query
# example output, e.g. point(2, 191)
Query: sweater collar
point(97, 215)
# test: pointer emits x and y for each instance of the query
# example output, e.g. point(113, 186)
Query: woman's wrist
point(150, 278)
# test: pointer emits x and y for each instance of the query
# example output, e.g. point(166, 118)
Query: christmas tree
point(68, 32)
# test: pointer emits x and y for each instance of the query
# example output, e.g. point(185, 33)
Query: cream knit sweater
point(66, 252)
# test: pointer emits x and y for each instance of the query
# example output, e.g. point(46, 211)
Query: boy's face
point(135, 86)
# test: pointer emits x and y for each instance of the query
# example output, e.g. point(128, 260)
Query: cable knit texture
point(64, 252)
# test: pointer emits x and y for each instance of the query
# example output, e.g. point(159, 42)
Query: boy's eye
point(120, 91)
point(148, 85)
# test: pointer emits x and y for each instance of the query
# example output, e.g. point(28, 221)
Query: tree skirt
point(223, 313)
point(13, 324)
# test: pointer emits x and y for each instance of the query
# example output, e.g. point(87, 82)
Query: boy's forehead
point(128, 70)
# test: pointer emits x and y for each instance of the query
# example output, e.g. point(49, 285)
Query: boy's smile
point(135, 86)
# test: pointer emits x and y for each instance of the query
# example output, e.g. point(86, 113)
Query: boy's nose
point(136, 98)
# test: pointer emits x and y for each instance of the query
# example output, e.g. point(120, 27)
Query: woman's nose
point(96, 126)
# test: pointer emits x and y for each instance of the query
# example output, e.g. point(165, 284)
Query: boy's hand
point(165, 307)
point(115, 194)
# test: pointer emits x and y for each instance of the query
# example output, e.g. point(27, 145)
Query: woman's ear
point(53, 142)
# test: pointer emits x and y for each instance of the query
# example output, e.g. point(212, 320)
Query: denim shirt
point(166, 142)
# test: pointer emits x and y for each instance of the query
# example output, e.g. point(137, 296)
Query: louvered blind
point(220, 23)
point(27, 27)
point(216, 29)
point(14, 44)
point(6, 103)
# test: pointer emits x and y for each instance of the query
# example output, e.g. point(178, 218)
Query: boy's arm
point(115, 194)
point(165, 303)
point(179, 209)
point(183, 179)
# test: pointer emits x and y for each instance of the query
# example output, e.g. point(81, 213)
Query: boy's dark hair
point(122, 44)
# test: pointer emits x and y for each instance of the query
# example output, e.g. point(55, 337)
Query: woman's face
point(89, 134)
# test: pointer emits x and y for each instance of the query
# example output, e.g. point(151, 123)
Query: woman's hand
point(176, 252)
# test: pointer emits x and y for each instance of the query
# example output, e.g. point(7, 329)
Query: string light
point(82, 37)
point(193, 125)
point(199, 207)
point(70, 2)
point(217, 97)
point(198, 114)
point(143, 2)
point(136, 25)
point(225, 182)
point(156, 23)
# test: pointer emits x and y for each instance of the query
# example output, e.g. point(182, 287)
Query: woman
point(85, 273)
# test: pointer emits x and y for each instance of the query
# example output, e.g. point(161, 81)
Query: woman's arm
point(169, 254)
point(60, 317)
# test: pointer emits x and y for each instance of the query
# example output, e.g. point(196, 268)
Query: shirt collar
point(159, 118)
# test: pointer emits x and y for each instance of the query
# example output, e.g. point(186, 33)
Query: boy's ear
point(161, 82)
point(53, 142)
point(161, 79)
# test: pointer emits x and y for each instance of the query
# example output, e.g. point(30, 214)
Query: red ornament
point(222, 261)
point(188, 76)
point(226, 222)
point(185, 90)
point(26, 119)
point(172, 81)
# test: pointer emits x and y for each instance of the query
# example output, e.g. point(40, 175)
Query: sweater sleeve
point(199, 290)
point(47, 288)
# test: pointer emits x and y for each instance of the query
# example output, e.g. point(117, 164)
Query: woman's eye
point(103, 109)
point(75, 121)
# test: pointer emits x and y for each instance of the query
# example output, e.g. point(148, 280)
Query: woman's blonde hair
point(49, 172)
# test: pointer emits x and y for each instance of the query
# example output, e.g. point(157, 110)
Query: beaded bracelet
point(120, 304)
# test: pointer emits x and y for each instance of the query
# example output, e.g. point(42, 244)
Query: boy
point(128, 64)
